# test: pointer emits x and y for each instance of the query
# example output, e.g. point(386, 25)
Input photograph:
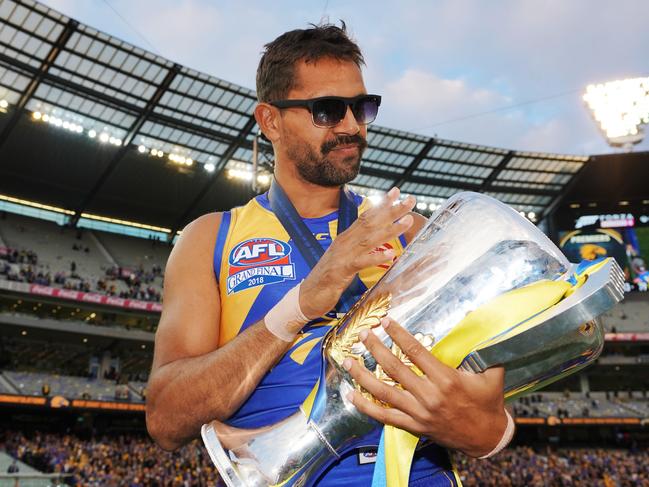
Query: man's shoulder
point(199, 233)
point(203, 223)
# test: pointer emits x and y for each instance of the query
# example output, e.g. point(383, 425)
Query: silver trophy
point(472, 252)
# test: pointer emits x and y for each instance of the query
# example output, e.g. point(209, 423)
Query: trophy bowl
point(479, 286)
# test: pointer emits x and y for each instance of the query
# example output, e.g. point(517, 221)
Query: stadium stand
point(42, 252)
point(59, 249)
point(571, 405)
point(631, 315)
point(100, 369)
point(34, 384)
point(29, 477)
point(134, 253)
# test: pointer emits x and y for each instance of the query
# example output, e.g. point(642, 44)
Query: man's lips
point(345, 147)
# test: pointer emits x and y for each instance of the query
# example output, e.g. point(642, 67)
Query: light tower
point(620, 108)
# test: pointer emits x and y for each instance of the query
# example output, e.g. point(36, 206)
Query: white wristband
point(507, 437)
point(285, 319)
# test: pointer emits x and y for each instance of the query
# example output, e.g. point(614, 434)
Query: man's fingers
point(384, 415)
point(391, 231)
point(373, 259)
point(402, 208)
point(435, 370)
point(388, 394)
point(391, 207)
point(392, 366)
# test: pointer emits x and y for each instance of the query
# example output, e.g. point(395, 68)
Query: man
point(244, 313)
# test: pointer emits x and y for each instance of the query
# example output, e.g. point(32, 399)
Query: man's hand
point(455, 409)
point(354, 250)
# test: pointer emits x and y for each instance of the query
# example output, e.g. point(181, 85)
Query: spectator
point(13, 468)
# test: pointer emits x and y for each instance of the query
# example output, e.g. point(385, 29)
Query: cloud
point(419, 99)
point(426, 103)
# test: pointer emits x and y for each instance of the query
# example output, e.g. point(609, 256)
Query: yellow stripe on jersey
point(249, 221)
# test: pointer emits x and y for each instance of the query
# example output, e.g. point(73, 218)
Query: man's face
point(324, 156)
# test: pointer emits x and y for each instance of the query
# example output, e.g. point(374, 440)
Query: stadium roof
point(124, 107)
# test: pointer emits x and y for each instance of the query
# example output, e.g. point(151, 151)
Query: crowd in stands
point(127, 460)
point(26, 268)
point(138, 280)
point(133, 460)
point(523, 466)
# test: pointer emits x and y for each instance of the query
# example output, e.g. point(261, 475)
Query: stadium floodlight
point(620, 108)
point(181, 160)
point(91, 133)
point(209, 167)
point(240, 174)
point(4, 104)
point(422, 206)
point(37, 115)
point(263, 179)
point(141, 149)
point(104, 137)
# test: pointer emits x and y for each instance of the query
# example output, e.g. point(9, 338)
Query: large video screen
point(624, 236)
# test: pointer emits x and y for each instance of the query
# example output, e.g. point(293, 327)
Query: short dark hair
point(276, 70)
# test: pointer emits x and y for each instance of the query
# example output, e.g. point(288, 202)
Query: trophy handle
point(571, 335)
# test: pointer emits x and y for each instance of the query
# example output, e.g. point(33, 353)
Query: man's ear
point(268, 120)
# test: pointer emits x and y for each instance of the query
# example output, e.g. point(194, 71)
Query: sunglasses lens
point(366, 109)
point(328, 112)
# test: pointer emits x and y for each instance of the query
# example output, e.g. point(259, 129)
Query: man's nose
point(348, 125)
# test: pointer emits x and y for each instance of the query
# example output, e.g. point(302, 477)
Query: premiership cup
point(479, 286)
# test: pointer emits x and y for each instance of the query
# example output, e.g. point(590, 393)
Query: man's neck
point(310, 200)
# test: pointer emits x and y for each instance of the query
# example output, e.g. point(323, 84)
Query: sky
point(503, 73)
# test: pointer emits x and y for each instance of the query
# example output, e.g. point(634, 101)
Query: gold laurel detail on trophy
point(366, 315)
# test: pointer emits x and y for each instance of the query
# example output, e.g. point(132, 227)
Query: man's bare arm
point(192, 382)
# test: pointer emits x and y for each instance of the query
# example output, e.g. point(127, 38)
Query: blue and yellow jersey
point(256, 264)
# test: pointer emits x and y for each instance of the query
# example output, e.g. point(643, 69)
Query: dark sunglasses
point(329, 111)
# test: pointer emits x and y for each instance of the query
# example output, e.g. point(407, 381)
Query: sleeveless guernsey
point(256, 264)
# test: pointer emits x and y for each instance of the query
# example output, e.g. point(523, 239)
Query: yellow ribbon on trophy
point(506, 315)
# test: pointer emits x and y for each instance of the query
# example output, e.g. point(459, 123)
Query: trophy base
point(219, 457)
